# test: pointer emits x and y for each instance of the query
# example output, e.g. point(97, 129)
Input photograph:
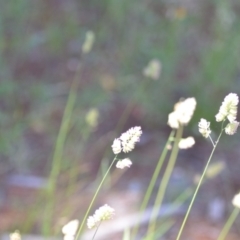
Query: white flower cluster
point(228, 108)
point(231, 128)
point(69, 230)
point(183, 112)
point(126, 142)
point(126, 162)
point(153, 69)
point(185, 143)
point(103, 213)
point(204, 127)
point(236, 200)
point(15, 236)
point(116, 146)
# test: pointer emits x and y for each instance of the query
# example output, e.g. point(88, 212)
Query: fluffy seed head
point(103, 213)
point(228, 108)
point(70, 229)
point(231, 128)
point(185, 143)
point(126, 162)
point(183, 112)
point(91, 223)
point(130, 138)
point(15, 236)
point(236, 200)
point(153, 69)
point(173, 120)
point(89, 40)
point(204, 127)
point(116, 146)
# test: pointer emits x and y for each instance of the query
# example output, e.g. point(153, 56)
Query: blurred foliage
point(40, 41)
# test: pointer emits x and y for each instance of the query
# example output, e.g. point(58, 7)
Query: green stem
point(211, 140)
point(165, 226)
point(96, 231)
point(153, 180)
point(164, 183)
point(72, 182)
point(93, 199)
point(183, 196)
point(197, 188)
point(57, 156)
point(229, 224)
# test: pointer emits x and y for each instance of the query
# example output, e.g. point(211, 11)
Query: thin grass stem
point(164, 183)
point(228, 224)
point(96, 231)
point(57, 155)
point(211, 140)
point(197, 188)
point(93, 199)
point(153, 180)
point(165, 226)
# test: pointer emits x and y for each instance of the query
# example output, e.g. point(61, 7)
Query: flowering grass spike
point(236, 200)
point(185, 143)
point(116, 146)
point(153, 69)
point(69, 230)
point(127, 140)
point(231, 128)
point(15, 236)
point(89, 40)
point(130, 138)
point(126, 162)
point(183, 112)
point(103, 213)
point(228, 108)
point(204, 127)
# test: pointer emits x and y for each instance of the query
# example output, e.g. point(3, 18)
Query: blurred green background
point(197, 43)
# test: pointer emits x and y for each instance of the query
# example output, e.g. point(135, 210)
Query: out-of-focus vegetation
point(197, 43)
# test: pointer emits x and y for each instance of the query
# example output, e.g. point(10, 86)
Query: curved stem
point(153, 179)
point(93, 199)
point(197, 188)
point(164, 183)
point(58, 152)
point(228, 224)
